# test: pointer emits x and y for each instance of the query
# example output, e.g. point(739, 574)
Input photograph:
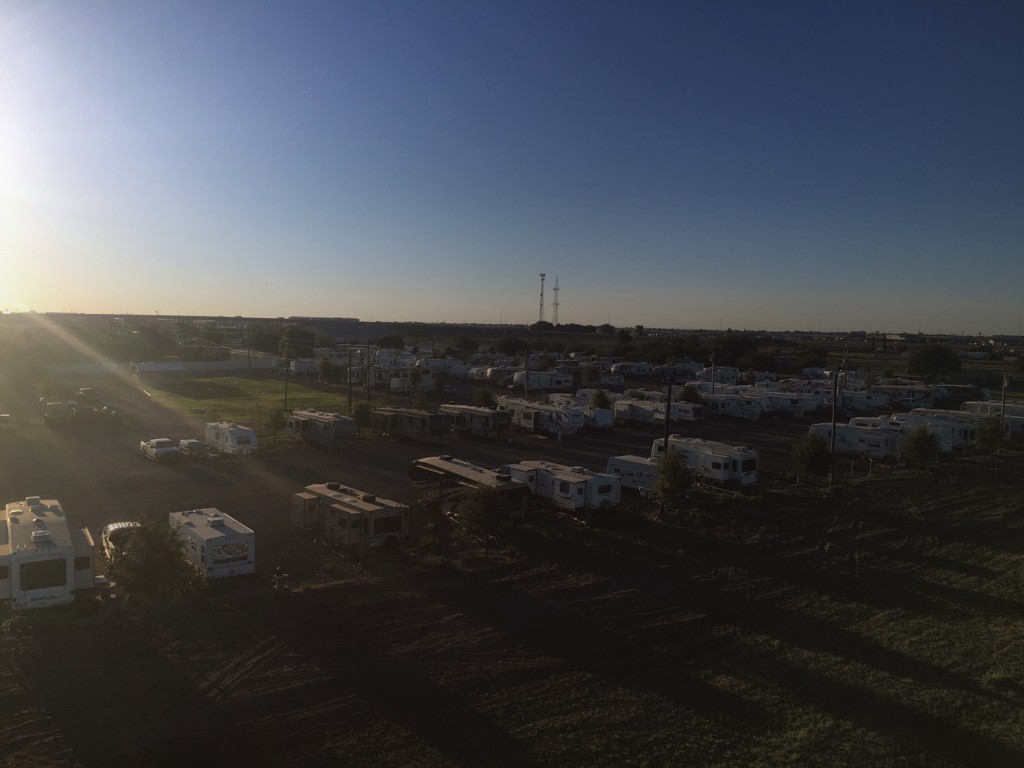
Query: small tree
point(920, 447)
point(690, 394)
point(415, 378)
point(934, 361)
point(811, 456)
point(674, 482)
point(276, 421)
point(363, 414)
point(990, 434)
point(484, 398)
point(486, 514)
point(600, 399)
point(589, 375)
point(153, 565)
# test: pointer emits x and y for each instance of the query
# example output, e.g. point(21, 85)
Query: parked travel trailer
point(43, 560)
point(230, 438)
point(633, 370)
point(855, 440)
point(348, 517)
point(574, 489)
point(501, 376)
point(993, 407)
point(402, 382)
point(901, 423)
point(411, 423)
point(215, 543)
point(964, 425)
point(640, 411)
point(476, 420)
point(329, 430)
point(868, 401)
point(444, 480)
point(713, 462)
point(538, 418)
point(789, 404)
point(538, 380)
point(733, 406)
point(637, 472)
point(905, 397)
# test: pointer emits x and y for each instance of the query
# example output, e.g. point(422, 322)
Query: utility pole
point(349, 377)
point(541, 319)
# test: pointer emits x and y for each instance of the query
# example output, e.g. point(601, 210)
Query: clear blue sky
point(777, 165)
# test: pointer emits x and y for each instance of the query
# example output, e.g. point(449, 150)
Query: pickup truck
point(158, 448)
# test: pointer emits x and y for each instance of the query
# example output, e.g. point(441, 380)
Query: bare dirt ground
point(873, 626)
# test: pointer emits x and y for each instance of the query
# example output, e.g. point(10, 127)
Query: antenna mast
point(555, 305)
point(541, 297)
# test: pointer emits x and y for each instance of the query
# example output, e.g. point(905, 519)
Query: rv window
point(234, 552)
point(604, 490)
point(83, 563)
point(563, 487)
point(579, 491)
point(716, 465)
point(749, 465)
point(342, 522)
point(43, 574)
point(5, 572)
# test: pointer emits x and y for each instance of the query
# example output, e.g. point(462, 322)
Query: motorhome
point(328, 430)
point(574, 489)
point(733, 406)
point(411, 423)
point(43, 560)
point(230, 438)
point(637, 472)
point(215, 543)
point(444, 480)
point(348, 517)
point(715, 463)
point(476, 420)
point(649, 412)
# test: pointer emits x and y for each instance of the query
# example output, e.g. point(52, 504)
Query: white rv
point(401, 382)
point(330, 430)
point(537, 417)
point(349, 517)
point(215, 543)
point(880, 444)
point(637, 472)
point(733, 406)
point(445, 480)
point(411, 423)
point(867, 401)
point(476, 420)
point(574, 489)
point(230, 438)
point(536, 380)
point(43, 560)
point(713, 462)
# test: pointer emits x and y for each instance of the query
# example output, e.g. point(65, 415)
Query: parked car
point(192, 448)
point(158, 448)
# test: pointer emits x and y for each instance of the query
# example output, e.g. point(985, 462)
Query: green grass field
point(245, 400)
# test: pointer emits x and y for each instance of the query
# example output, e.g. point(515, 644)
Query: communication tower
point(541, 297)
